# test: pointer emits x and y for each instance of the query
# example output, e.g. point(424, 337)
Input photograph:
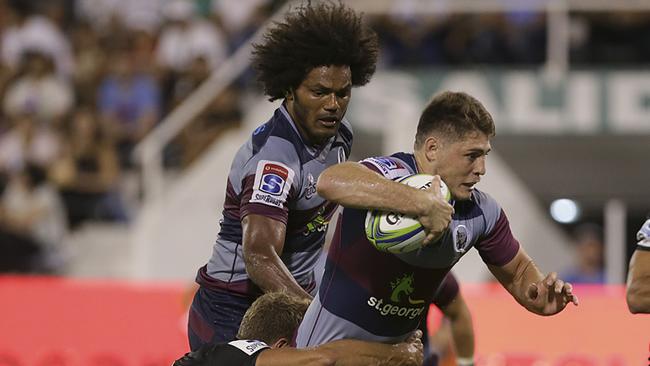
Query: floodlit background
point(119, 119)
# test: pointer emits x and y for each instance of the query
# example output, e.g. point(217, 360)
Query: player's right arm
point(354, 185)
point(638, 280)
point(347, 352)
point(263, 242)
point(266, 192)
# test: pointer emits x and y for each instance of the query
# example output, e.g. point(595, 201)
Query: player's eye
point(343, 93)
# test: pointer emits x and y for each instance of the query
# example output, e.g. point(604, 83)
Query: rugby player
point(274, 223)
point(269, 324)
point(638, 277)
point(385, 294)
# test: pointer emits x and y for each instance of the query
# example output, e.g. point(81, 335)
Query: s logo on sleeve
point(272, 183)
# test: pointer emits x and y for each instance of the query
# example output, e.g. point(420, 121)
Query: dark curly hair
point(314, 35)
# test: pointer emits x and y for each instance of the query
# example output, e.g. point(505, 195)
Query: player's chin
point(325, 132)
point(462, 193)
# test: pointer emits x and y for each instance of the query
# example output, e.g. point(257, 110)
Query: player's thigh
point(215, 315)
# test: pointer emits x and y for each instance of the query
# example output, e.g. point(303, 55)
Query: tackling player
point(274, 223)
point(638, 277)
point(385, 294)
point(264, 336)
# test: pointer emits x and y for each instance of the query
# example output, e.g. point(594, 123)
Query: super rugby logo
point(402, 288)
point(272, 183)
point(273, 179)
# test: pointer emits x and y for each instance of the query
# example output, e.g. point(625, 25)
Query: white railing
point(149, 152)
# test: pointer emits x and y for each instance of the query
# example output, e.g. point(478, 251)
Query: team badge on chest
point(461, 238)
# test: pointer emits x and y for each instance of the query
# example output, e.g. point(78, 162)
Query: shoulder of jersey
point(643, 236)
point(249, 347)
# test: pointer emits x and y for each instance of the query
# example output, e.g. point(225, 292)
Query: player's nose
point(331, 103)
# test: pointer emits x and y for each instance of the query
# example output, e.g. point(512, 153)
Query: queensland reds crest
point(310, 191)
point(461, 238)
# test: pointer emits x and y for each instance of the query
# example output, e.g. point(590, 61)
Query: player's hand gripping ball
point(397, 233)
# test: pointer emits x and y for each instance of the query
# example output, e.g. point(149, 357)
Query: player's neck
point(423, 164)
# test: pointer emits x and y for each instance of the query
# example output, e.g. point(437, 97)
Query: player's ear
point(289, 95)
point(281, 343)
point(431, 147)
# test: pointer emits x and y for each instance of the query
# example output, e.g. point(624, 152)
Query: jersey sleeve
point(643, 236)
point(269, 182)
point(387, 166)
point(497, 246)
point(447, 291)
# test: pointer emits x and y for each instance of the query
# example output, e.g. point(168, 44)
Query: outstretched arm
point(540, 295)
point(347, 352)
point(638, 282)
point(354, 185)
point(263, 242)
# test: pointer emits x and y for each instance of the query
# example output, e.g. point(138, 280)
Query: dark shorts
point(215, 317)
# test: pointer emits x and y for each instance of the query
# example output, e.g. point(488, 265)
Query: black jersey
point(235, 353)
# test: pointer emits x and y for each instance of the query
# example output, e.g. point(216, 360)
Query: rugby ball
point(395, 232)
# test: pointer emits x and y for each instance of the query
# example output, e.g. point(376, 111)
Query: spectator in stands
point(30, 30)
point(186, 37)
point(129, 103)
point(588, 266)
point(27, 140)
point(133, 15)
point(33, 210)
point(90, 61)
point(239, 20)
point(38, 91)
point(17, 252)
point(88, 173)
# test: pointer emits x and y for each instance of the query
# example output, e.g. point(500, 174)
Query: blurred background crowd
point(84, 81)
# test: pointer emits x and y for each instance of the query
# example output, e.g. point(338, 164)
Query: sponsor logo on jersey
point(310, 191)
point(274, 177)
point(272, 183)
point(400, 302)
point(461, 238)
point(390, 168)
point(249, 347)
point(259, 129)
point(319, 224)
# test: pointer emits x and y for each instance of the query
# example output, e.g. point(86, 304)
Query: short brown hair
point(454, 115)
point(273, 316)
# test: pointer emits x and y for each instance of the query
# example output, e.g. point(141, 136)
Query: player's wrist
point(465, 361)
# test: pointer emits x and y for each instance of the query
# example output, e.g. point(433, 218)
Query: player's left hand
point(550, 295)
